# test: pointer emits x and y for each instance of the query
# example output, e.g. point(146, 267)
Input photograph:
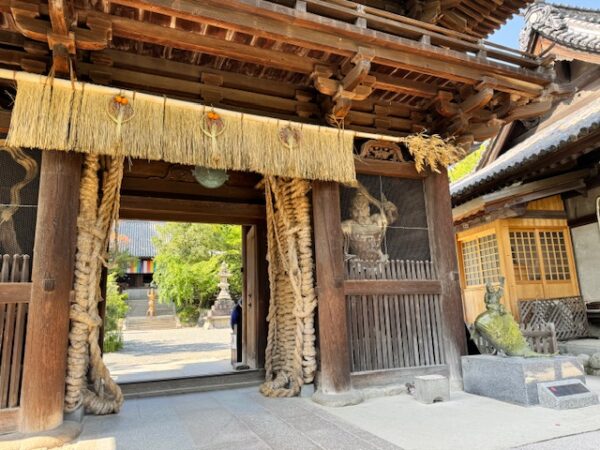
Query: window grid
point(481, 260)
point(554, 253)
point(525, 256)
point(471, 263)
point(490, 259)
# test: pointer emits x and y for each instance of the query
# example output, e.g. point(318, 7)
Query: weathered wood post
point(443, 253)
point(334, 383)
point(45, 363)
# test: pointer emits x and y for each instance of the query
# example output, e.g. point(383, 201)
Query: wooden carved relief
point(382, 150)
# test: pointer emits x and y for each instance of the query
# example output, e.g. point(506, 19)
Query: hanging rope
point(85, 356)
point(290, 353)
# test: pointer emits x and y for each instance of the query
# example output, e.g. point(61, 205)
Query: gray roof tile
point(136, 236)
point(570, 128)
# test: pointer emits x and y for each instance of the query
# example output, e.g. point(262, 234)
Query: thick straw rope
point(73, 117)
point(84, 354)
point(290, 354)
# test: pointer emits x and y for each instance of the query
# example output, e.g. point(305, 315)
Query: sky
point(508, 35)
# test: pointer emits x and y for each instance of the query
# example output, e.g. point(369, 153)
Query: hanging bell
point(210, 178)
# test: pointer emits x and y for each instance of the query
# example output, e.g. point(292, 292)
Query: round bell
point(210, 178)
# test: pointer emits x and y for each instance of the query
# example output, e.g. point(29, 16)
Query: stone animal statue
point(499, 327)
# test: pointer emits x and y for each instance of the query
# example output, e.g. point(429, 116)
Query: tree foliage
point(466, 165)
point(189, 258)
point(116, 309)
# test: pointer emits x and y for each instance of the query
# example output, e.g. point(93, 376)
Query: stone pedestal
point(432, 389)
point(220, 313)
point(515, 379)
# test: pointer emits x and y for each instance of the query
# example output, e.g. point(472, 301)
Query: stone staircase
point(136, 319)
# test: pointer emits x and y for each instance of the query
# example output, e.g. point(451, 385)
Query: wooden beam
point(60, 40)
point(191, 72)
point(334, 342)
point(391, 287)
point(154, 208)
point(404, 86)
point(387, 168)
point(153, 83)
point(330, 35)
point(15, 293)
point(185, 40)
point(443, 253)
point(45, 362)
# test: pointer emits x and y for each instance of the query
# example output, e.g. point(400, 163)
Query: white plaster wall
point(586, 245)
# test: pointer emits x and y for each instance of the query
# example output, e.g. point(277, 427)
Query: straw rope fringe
point(290, 353)
point(84, 354)
point(57, 117)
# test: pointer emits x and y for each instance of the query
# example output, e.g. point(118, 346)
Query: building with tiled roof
point(136, 237)
point(529, 211)
point(568, 32)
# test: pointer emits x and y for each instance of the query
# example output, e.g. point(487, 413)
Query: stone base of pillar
point(338, 399)
point(59, 436)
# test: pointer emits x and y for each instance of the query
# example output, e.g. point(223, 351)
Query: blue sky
point(509, 34)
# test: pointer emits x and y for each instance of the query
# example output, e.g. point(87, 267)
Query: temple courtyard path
point(243, 419)
point(171, 353)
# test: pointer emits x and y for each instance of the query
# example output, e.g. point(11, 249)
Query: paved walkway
point(235, 419)
point(174, 353)
point(471, 422)
point(244, 419)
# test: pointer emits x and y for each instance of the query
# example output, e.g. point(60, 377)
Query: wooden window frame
point(537, 230)
point(481, 275)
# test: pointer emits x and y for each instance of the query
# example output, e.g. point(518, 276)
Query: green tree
point(466, 165)
point(188, 261)
point(116, 309)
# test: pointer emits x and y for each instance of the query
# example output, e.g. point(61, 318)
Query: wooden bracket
point(355, 84)
point(61, 34)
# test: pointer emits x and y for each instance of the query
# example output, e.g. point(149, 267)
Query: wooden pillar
point(42, 400)
point(443, 253)
point(334, 348)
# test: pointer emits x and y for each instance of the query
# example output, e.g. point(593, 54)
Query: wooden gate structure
point(282, 74)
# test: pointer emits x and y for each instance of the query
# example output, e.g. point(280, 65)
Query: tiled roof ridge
point(570, 128)
point(550, 21)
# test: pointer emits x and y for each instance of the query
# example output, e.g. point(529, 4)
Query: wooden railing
point(15, 294)
point(401, 26)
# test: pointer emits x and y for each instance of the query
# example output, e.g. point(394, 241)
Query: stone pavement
point(174, 353)
point(583, 441)
point(244, 419)
point(235, 419)
point(470, 422)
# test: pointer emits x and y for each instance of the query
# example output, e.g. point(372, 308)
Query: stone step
point(150, 323)
point(230, 380)
point(138, 308)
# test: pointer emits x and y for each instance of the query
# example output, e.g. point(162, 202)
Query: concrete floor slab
point(235, 419)
point(243, 419)
point(467, 422)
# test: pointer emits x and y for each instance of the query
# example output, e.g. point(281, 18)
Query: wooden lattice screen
point(394, 331)
point(568, 315)
point(14, 270)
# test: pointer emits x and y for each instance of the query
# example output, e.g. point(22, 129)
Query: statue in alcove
point(8, 237)
point(365, 231)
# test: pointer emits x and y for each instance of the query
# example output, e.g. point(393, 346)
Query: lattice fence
point(541, 339)
point(568, 315)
